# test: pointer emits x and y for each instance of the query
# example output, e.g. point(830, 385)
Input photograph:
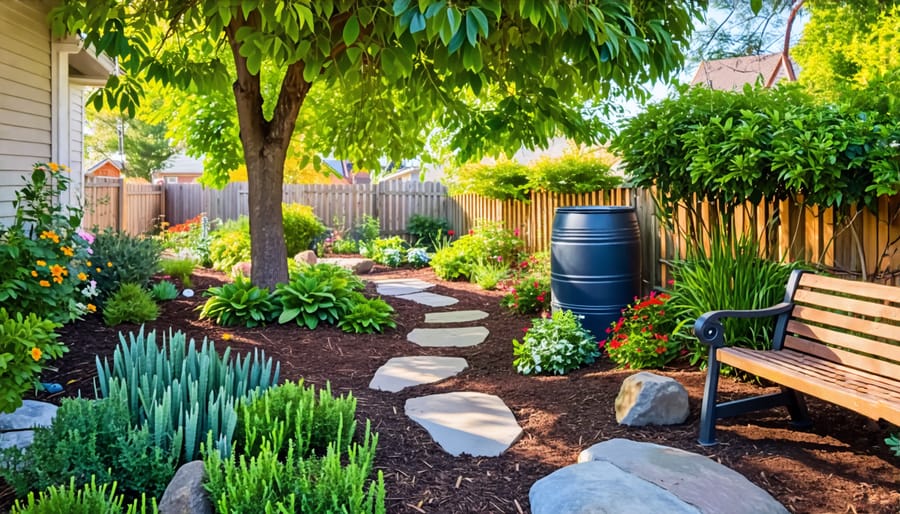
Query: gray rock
point(307, 256)
point(185, 493)
point(697, 480)
point(429, 299)
point(31, 414)
point(448, 337)
point(648, 399)
point(242, 268)
point(400, 286)
point(454, 316)
point(354, 264)
point(601, 488)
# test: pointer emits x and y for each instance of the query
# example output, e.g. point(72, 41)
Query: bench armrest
point(708, 327)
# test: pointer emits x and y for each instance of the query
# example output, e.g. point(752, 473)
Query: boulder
point(185, 493)
point(14, 425)
point(241, 268)
point(354, 264)
point(648, 399)
point(307, 256)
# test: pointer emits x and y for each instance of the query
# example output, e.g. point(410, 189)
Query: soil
point(840, 465)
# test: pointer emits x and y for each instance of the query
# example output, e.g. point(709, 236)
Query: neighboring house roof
point(106, 163)
point(733, 73)
point(181, 164)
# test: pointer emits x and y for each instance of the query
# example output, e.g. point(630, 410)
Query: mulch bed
point(841, 465)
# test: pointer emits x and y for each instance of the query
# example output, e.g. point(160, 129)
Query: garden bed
point(842, 465)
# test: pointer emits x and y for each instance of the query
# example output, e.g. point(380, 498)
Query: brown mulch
point(841, 465)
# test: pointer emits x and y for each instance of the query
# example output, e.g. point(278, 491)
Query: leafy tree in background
point(734, 28)
point(494, 74)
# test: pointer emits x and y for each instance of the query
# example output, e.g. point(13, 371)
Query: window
point(171, 180)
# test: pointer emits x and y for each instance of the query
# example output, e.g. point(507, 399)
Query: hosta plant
point(367, 315)
point(164, 291)
point(27, 343)
point(307, 301)
point(644, 337)
point(239, 303)
point(557, 345)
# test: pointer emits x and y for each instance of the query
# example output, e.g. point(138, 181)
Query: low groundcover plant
point(556, 345)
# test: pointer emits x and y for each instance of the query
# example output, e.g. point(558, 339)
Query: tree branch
point(247, 91)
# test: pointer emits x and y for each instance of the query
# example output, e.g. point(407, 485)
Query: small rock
point(648, 399)
point(31, 414)
point(185, 493)
point(354, 264)
point(241, 268)
point(307, 256)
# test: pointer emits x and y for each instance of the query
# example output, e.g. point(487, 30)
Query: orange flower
point(82, 276)
point(58, 280)
point(108, 264)
point(34, 273)
point(88, 264)
point(36, 353)
point(44, 283)
point(58, 271)
point(99, 270)
point(51, 235)
point(227, 337)
point(53, 167)
point(91, 307)
point(68, 252)
point(41, 263)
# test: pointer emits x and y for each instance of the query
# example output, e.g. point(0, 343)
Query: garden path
point(474, 423)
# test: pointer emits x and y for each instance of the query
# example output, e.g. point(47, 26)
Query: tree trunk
point(265, 176)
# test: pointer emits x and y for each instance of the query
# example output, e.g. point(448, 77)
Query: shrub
point(572, 173)
point(503, 180)
point(367, 315)
point(417, 257)
point(130, 304)
point(487, 274)
point(181, 393)
point(189, 240)
point(344, 246)
point(239, 303)
point(88, 440)
point(26, 344)
point(367, 230)
point(180, 269)
point(529, 295)
point(164, 291)
point(119, 257)
point(644, 337)
point(230, 244)
point(301, 227)
point(44, 254)
point(488, 240)
point(87, 499)
point(557, 345)
point(424, 229)
point(388, 251)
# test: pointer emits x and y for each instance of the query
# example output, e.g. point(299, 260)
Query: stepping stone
point(402, 372)
point(478, 424)
point(429, 299)
point(627, 476)
point(454, 316)
point(444, 337)
point(31, 414)
point(401, 286)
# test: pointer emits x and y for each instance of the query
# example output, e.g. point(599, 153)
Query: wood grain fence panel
point(101, 203)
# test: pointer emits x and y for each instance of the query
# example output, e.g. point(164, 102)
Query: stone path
point(460, 422)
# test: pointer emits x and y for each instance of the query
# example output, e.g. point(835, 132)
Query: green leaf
point(755, 6)
point(288, 315)
point(400, 6)
point(480, 19)
point(471, 29)
point(351, 30)
point(417, 24)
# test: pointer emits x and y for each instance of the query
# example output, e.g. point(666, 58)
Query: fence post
point(121, 217)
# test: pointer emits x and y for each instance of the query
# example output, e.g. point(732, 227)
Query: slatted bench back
point(856, 324)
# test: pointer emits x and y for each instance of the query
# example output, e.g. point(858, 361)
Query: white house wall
point(25, 96)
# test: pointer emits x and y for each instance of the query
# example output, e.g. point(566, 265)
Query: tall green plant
point(181, 393)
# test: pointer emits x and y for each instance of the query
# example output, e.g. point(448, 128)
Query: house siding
point(76, 141)
point(25, 96)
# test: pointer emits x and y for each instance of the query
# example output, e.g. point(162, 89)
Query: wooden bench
point(837, 340)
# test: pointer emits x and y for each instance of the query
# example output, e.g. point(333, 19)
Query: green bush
point(388, 251)
point(367, 315)
point(308, 301)
point(88, 440)
point(301, 227)
point(487, 241)
point(503, 180)
point(557, 345)
point(179, 392)
point(488, 273)
point(239, 303)
point(180, 269)
point(27, 343)
point(367, 230)
point(529, 295)
point(425, 229)
point(344, 246)
point(572, 173)
point(119, 257)
point(164, 291)
point(87, 499)
point(230, 244)
point(129, 304)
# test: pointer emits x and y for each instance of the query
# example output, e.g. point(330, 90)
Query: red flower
point(471, 232)
point(660, 350)
point(601, 344)
point(540, 298)
point(451, 233)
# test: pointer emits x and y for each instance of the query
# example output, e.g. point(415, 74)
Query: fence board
point(113, 203)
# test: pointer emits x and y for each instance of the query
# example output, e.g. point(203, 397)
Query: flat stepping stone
point(478, 424)
point(454, 316)
point(401, 286)
point(627, 476)
point(401, 372)
point(447, 337)
point(31, 414)
point(430, 299)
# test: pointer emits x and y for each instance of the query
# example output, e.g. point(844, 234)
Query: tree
point(146, 144)
point(494, 74)
point(735, 28)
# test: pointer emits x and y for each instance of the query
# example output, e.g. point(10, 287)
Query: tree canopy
point(484, 75)
point(145, 141)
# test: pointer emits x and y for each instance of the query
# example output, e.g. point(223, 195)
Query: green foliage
point(422, 229)
point(367, 315)
point(301, 227)
point(344, 246)
point(388, 251)
point(189, 240)
point(179, 392)
point(312, 422)
point(367, 230)
point(572, 173)
point(44, 255)
point(27, 343)
point(503, 180)
point(239, 303)
point(529, 295)
point(893, 443)
point(728, 275)
point(180, 269)
point(147, 145)
point(309, 301)
point(130, 304)
point(556, 345)
point(230, 244)
point(645, 336)
point(119, 257)
point(91, 440)
point(487, 241)
point(163, 291)
point(733, 147)
point(488, 273)
point(87, 499)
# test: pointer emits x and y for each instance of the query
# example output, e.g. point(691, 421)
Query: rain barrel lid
point(590, 209)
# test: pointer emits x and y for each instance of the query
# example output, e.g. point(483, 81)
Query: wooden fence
point(339, 205)
point(113, 203)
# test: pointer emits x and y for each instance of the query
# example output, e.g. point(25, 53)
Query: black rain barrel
point(595, 263)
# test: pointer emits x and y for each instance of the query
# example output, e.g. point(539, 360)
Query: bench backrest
point(853, 323)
